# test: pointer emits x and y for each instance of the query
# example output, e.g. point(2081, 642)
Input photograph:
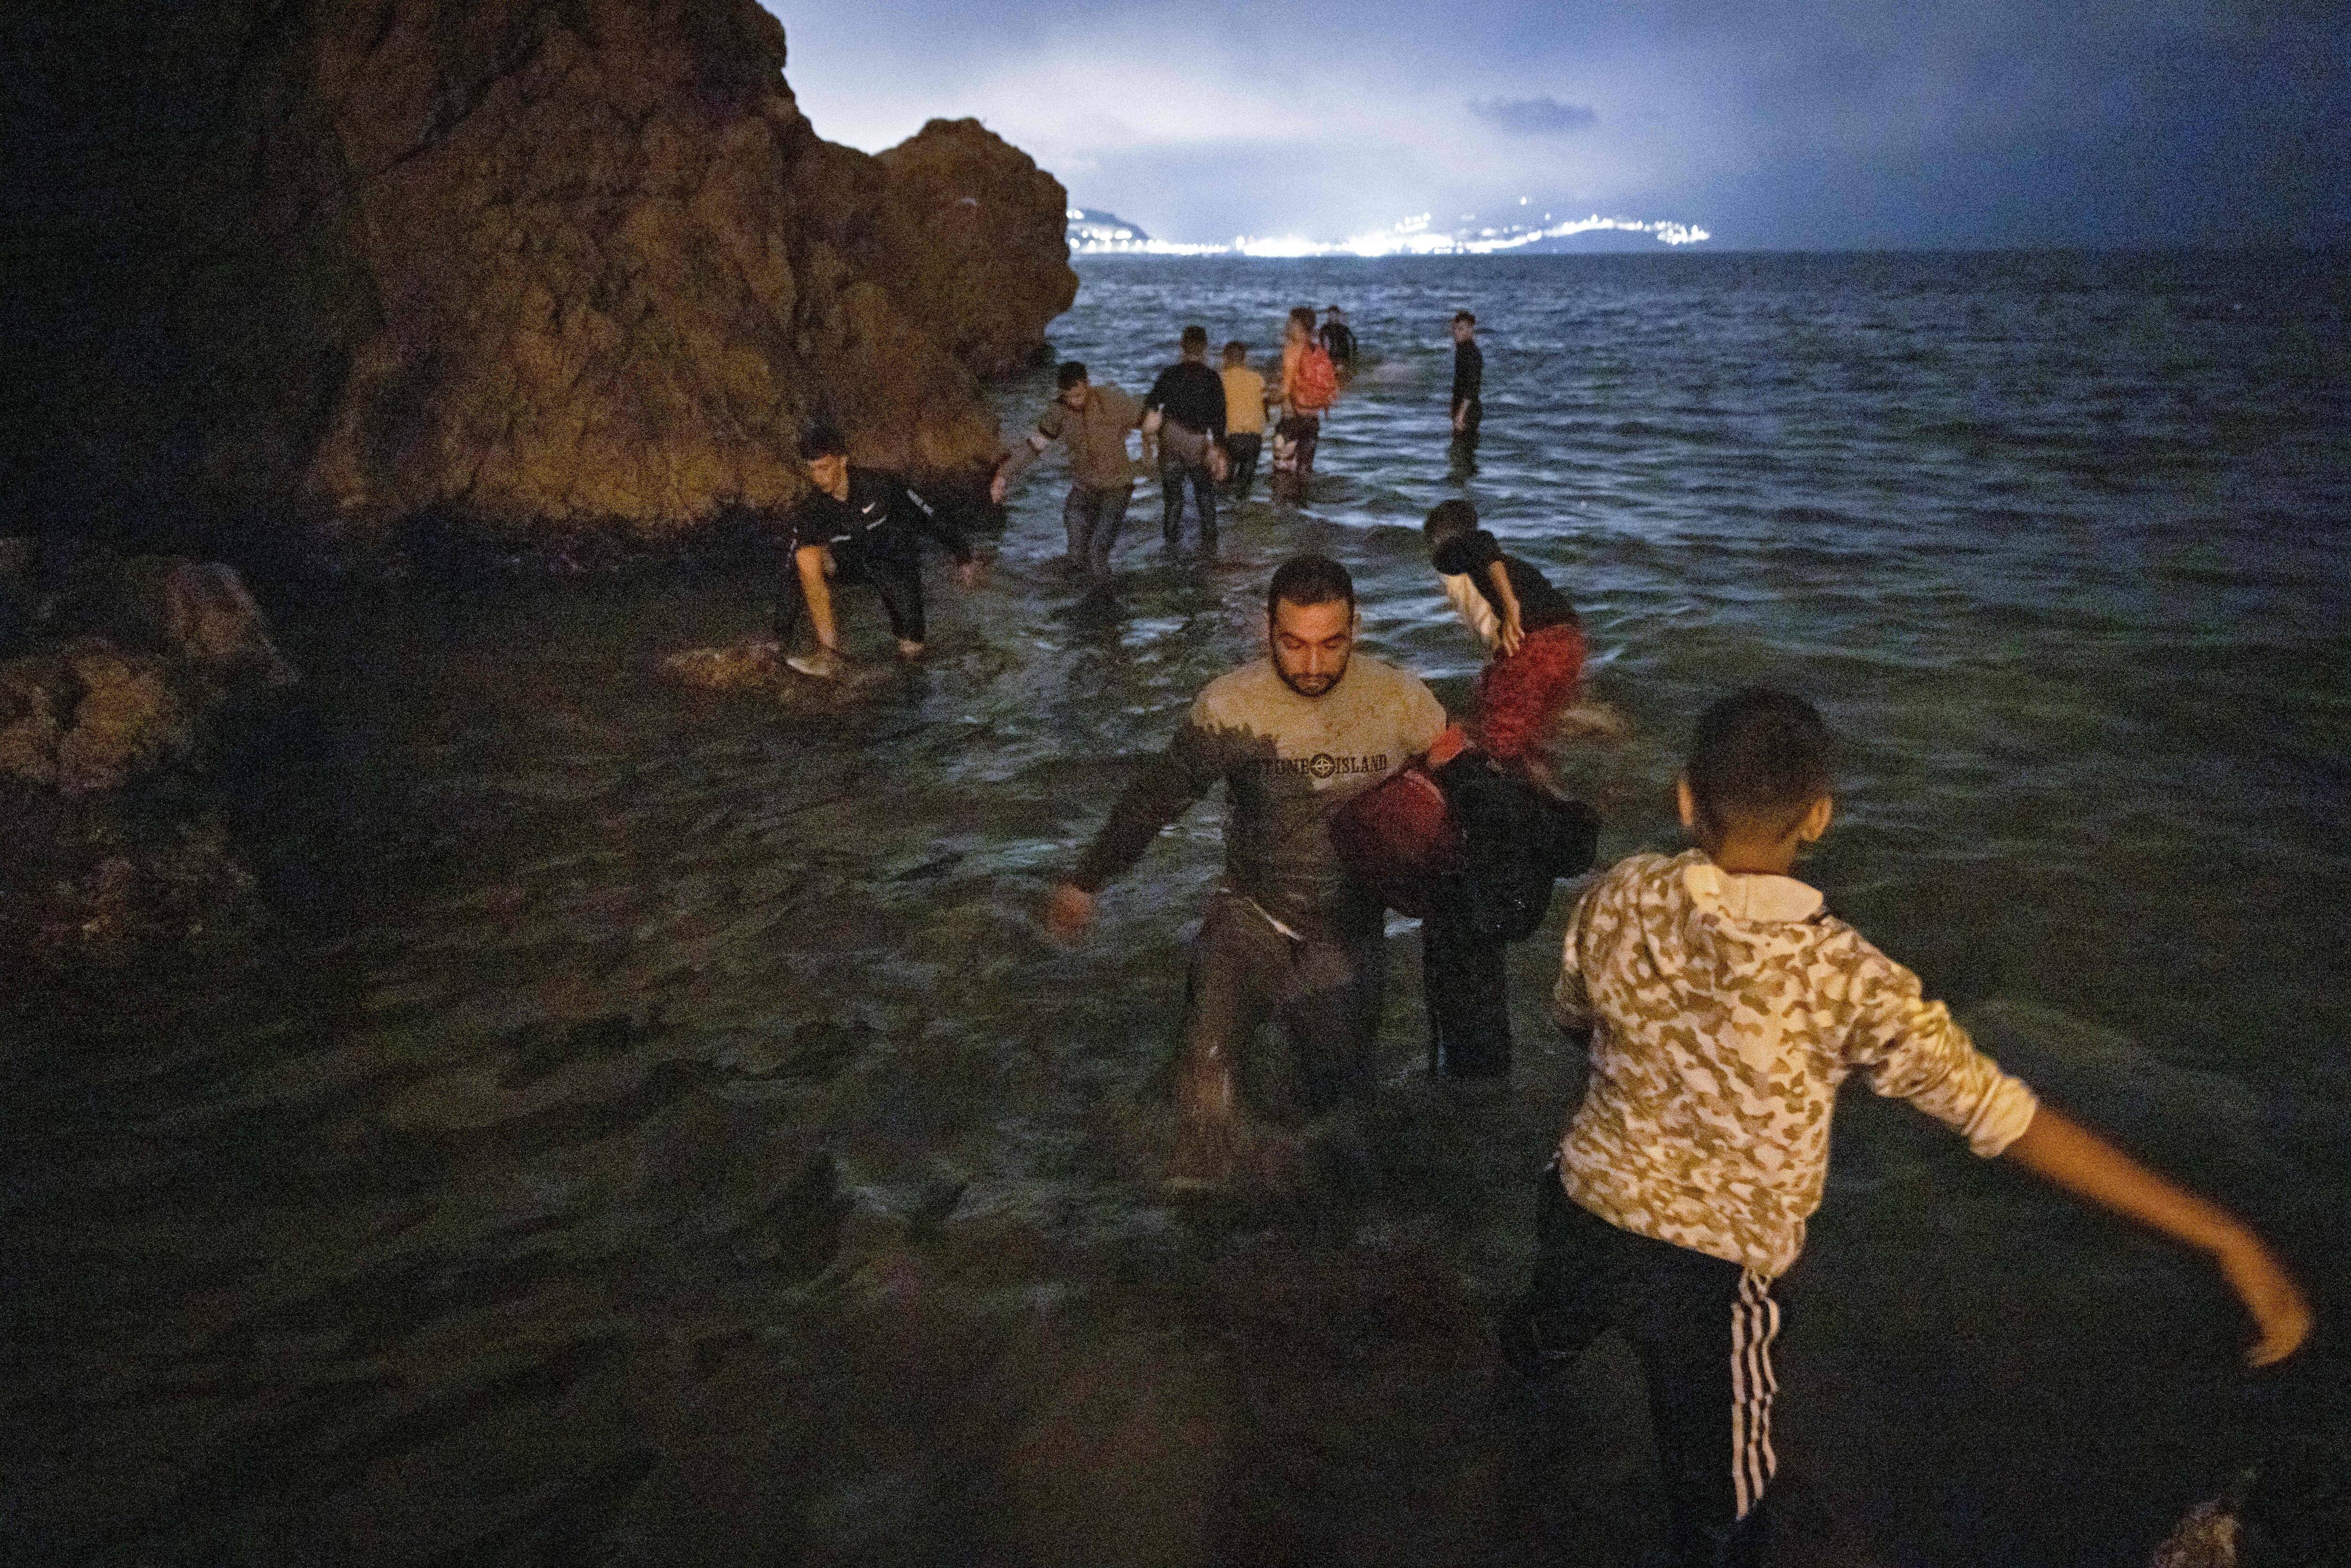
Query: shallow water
point(650, 1126)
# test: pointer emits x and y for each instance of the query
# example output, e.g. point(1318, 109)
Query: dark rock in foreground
point(534, 267)
point(122, 674)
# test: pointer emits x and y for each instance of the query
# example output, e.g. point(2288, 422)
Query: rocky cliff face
point(535, 265)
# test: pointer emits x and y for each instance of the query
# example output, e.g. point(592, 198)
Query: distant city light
point(1410, 237)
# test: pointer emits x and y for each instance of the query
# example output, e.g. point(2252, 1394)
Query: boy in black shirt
point(1538, 642)
point(1536, 670)
point(861, 526)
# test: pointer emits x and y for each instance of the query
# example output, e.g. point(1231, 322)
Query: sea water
point(652, 1127)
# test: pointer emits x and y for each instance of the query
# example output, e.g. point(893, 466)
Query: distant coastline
point(1093, 232)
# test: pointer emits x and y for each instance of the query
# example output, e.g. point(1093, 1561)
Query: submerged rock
point(534, 267)
point(738, 666)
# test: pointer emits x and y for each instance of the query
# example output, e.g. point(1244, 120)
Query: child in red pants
point(1537, 669)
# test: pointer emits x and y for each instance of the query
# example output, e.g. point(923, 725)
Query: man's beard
point(1309, 686)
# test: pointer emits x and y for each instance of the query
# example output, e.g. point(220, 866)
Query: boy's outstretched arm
point(2063, 1153)
point(1513, 632)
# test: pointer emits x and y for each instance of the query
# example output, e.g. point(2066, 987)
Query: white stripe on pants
point(1754, 1323)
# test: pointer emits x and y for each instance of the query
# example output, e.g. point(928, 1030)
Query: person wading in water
point(1289, 934)
point(857, 526)
point(1185, 412)
point(1093, 422)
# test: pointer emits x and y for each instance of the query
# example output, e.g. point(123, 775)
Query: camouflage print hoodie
point(1725, 1010)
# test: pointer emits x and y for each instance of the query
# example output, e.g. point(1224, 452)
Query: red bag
point(1315, 386)
point(1398, 838)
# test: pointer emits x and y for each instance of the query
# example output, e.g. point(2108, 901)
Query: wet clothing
point(1091, 518)
point(1464, 984)
point(1285, 761)
point(1184, 402)
point(1469, 554)
point(1324, 989)
point(1289, 934)
point(875, 537)
point(1338, 341)
point(1724, 1011)
point(1096, 436)
point(1519, 694)
point(1702, 1329)
point(1242, 451)
point(883, 517)
point(898, 583)
point(1294, 440)
point(1469, 374)
point(1192, 395)
point(1244, 400)
point(1173, 477)
point(1517, 842)
point(1101, 473)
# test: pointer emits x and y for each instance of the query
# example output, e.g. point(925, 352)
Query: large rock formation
point(533, 265)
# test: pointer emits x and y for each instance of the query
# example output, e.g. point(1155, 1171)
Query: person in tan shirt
point(1091, 422)
point(1244, 416)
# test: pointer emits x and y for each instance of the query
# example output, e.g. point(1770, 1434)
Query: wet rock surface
point(532, 267)
point(124, 673)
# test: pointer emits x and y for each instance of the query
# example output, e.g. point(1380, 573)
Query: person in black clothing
point(858, 526)
point(1338, 340)
point(1468, 379)
point(1185, 410)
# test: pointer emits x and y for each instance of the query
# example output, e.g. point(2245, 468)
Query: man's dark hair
point(822, 441)
point(1072, 373)
point(1194, 340)
point(1448, 520)
point(1305, 580)
point(1304, 316)
point(1760, 757)
point(1236, 350)
point(1465, 316)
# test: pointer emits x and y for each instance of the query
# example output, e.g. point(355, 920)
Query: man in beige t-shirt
point(1092, 422)
point(1289, 934)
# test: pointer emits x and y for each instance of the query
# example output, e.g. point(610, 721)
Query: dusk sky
point(1777, 123)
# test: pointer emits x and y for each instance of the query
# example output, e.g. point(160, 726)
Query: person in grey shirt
point(1289, 934)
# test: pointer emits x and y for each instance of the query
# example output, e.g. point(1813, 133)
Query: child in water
point(1537, 641)
point(1725, 1006)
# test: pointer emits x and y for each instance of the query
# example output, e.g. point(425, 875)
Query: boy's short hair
point(1465, 316)
point(1758, 757)
point(1305, 580)
point(1448, 520)
point(1072, 371)
point(1195, 337)
point(820, 441)
point(1236, 352)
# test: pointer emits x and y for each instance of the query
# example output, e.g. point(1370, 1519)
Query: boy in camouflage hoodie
point(1725, 1004)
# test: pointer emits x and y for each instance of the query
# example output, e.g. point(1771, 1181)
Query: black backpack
point(1516, 841)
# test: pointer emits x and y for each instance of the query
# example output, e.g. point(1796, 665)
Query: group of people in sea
point(1206, 427)
point(1721, 1003)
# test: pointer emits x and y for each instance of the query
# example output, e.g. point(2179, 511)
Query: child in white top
point(1725, 1006)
